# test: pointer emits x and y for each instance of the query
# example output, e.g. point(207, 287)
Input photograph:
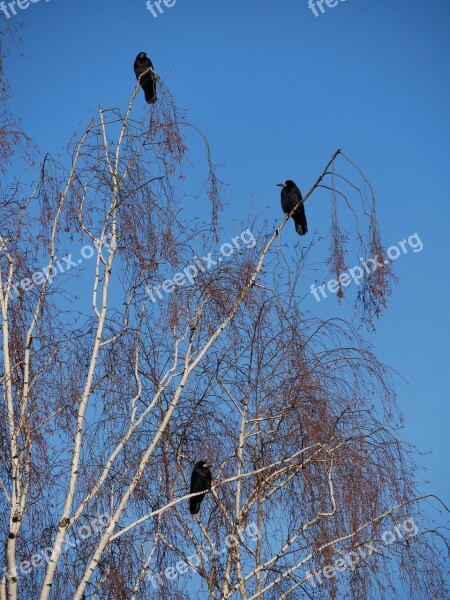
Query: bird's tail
point(150, 95)
point(194, 505)
point(301, 228)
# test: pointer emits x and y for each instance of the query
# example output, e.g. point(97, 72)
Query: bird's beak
point(281, 184)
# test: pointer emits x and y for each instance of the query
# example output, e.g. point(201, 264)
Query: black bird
point(290, 197)
point(200, 481)
point(142, 65)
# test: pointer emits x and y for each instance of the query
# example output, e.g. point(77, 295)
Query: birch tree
point(118, 375)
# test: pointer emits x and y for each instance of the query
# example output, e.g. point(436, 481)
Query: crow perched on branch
point(145, 74)
point(290, 197)
point(200, 481)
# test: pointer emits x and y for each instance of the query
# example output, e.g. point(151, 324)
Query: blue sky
point(276, 90)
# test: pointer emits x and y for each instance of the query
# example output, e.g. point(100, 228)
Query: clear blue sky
point(276, 90)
